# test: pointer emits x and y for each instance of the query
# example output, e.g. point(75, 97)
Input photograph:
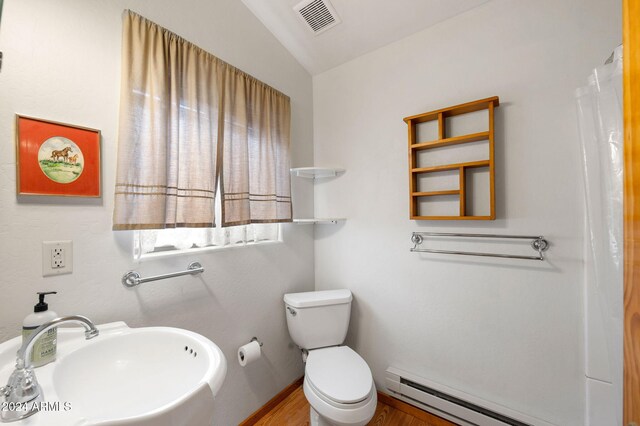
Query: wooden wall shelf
point(415, 170)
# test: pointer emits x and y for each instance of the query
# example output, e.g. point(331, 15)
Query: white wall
point(62, 62)
point(508, 331)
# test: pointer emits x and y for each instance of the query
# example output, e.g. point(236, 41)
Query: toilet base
point(322, 413)
point(315, 419)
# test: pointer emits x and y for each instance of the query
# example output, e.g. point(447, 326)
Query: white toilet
point(337, 381)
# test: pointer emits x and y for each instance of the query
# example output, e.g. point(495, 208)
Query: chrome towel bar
point(132, 278)
point(538, 243)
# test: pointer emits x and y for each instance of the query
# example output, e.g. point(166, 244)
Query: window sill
point(200, 250)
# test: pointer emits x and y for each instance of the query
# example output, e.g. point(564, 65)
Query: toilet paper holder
point(250, 352)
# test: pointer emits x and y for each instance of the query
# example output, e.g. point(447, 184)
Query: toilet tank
point(317, 319)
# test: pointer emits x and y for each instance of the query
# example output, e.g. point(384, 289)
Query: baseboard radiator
point(451, 404)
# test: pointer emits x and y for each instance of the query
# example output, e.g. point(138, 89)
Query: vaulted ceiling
point(365, 26)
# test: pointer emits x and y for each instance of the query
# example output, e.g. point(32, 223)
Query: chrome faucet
point(22, 395)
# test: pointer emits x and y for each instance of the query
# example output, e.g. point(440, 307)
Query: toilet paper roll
point(249, 353)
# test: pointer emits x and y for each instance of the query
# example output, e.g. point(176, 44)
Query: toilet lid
point(339, 373)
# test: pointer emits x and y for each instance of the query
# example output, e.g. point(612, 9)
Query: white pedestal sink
point(153, 376)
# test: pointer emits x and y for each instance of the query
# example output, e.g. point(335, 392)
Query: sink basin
point(127, 376)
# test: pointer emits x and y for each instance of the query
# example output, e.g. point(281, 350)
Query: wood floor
point(294, 411)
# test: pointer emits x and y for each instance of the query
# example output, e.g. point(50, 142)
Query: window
point(177, 241)
point(153, 243)
point(196, 131)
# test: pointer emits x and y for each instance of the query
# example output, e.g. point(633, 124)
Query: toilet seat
point(334, 413)
point(339, 376)
point(331, 402)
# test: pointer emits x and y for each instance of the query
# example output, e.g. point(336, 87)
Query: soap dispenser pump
point(44, 349)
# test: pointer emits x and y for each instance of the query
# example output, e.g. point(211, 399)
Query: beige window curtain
point(187, 118)
point(255, 183)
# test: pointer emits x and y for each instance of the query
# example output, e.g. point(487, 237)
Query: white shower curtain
point(601, 131)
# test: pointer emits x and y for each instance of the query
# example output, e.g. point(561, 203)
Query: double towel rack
point(538, 243)
point(132, 278)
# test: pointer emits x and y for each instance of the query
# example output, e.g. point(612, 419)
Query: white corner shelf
point(319, 221)
point(316, 172)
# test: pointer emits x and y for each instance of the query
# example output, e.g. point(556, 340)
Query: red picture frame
point(56, 159)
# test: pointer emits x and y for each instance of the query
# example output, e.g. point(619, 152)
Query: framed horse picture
point(56, 159)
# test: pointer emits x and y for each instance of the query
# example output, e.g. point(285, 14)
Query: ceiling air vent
point(318, 15)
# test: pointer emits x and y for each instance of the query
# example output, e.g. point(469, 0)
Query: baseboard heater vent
point(451, 404)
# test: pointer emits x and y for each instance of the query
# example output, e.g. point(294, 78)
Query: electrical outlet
point(57, 257)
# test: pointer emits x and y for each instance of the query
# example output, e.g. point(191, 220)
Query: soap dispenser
point(44, 349)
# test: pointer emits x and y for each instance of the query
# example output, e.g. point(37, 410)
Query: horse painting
point(62, 153)
point(73, 159)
